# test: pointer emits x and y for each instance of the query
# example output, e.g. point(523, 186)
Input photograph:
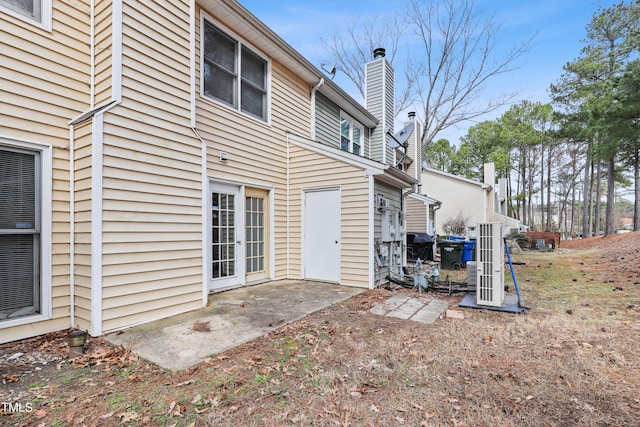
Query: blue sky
point(559, 26)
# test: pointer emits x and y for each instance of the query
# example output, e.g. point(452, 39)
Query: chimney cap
point(379, 53)
point(412, 115)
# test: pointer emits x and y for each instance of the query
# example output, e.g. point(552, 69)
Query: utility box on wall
point(391, 227)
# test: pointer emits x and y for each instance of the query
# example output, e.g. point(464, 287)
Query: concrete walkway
point(233, 318)
point(418, 309)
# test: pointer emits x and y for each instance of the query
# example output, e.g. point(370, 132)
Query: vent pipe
point(379, 53)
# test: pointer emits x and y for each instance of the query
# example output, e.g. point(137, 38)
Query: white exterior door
point(321, 235)
point(225, 249)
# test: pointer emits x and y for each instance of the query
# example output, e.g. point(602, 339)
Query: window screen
point(232, 73)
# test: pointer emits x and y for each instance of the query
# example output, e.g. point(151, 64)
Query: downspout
point(72, 231)
point(205, 198)
point(203, 160)
point(313, 107)
point(371, 220)
point(288, 206)
point(436, 206)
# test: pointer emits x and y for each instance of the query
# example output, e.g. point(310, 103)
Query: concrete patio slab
point(233, 318)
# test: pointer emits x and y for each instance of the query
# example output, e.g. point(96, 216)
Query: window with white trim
point(233, 74)
point(38, 11)
point(20, 232)
point(351, 134)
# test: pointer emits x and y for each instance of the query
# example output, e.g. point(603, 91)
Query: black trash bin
point(419, 246)
point(451, 254)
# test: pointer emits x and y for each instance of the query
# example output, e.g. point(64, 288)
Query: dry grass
point(571, 361)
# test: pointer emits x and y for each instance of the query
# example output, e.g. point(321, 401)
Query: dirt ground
point(571, 360)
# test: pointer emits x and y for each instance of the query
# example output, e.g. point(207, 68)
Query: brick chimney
point(379, 99)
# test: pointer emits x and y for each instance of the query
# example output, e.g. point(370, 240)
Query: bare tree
point(460, 58)
point(453, 55)
point(351, 47)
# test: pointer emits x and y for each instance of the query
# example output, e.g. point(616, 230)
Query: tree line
point(560, 159)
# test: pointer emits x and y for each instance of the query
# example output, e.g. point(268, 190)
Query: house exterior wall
point(390, 252)
point(458, 196)
point(151, 178)
point(129, 246)
point(45, 82)
point(257, 150)
point(394, 199)
point(310, 170)
point(328, 125)
point(416, 213)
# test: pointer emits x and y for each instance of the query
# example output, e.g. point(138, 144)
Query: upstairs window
point(233, 74)
point(351, 134)
point(29, 10)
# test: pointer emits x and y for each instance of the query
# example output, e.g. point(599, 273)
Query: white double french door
point(239, 236)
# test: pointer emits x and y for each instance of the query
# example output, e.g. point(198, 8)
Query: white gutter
point(313, 107)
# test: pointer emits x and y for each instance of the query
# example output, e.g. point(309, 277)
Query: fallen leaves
point(10, 378)
point(128, 416)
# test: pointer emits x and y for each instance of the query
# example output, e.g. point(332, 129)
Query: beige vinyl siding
point(103, 36)
point(257, 150)
point(45, 76)
point(44, 84)
point(310, 170)
point(82, 227)
point(415, 215)
point(152, 198)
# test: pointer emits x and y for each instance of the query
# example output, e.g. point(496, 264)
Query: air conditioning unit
point(381, 201)
point(472, 275)
point(490, 265)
